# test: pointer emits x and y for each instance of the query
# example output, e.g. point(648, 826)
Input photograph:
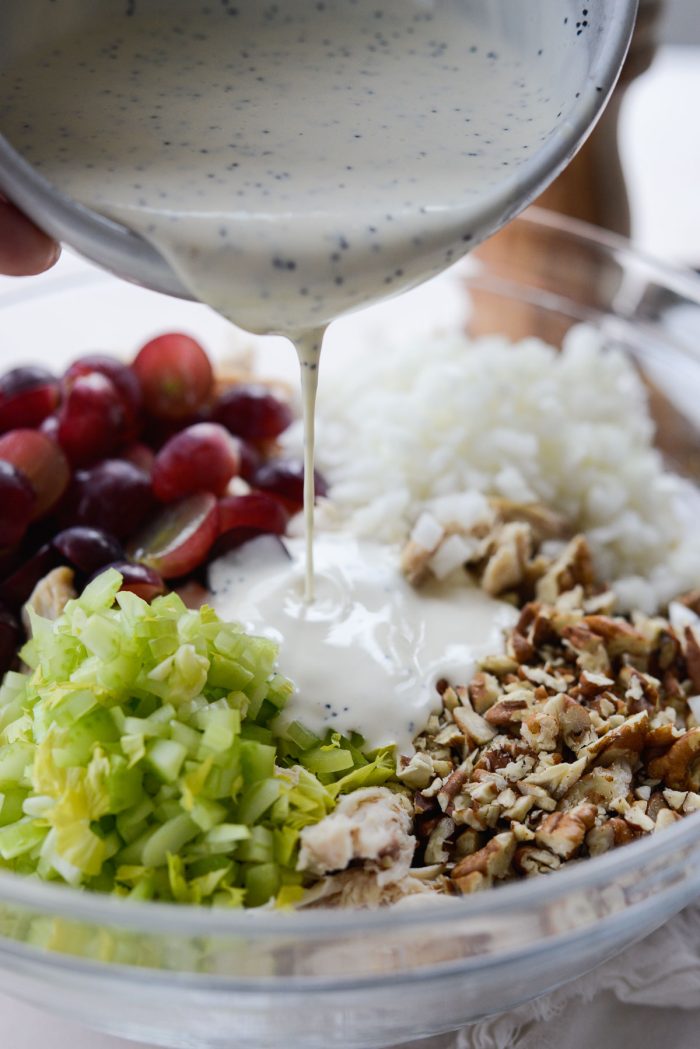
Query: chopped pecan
point(679, 768)
point(545, 523)
point(471, 724)
point(520, 648)
point(620, 637)
point(624, 741)
point(435, 851)
point(541, 730)
point(656, 804)
point(484, 690)
point(591, 685)
point(563, 832)
point(601, 786)
point(510, 710)
point(452, 787)
point(467, 843)
point(499, 664)
point(474, 882)
point(556, 779)
point(641, 690)
point(493, 860)
point(665, 817)
point(419, 771)
point(609, 835)
point(575, 725)
point(506, 567)
point(572, 568)
point(589, 647)
point(530, 860)
point(692, 657)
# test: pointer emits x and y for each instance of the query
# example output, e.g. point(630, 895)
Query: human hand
point(24, 249)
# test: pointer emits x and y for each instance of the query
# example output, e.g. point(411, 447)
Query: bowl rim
point(217, 922)
point(679, 277)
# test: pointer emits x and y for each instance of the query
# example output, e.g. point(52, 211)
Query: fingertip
point(25, 250)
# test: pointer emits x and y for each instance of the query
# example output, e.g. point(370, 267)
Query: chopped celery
point(262, 881)
point(328, 759)
point(140, 756)
point(165, 758)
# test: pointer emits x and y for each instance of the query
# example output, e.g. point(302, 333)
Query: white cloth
point(660, 973)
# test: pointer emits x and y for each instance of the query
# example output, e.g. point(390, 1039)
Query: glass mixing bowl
point(185, 977)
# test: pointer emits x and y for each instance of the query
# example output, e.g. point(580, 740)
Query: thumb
point(24, 249)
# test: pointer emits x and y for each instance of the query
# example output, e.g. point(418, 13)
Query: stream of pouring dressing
point(291, 162)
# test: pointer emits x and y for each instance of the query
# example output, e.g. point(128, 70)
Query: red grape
point(242, 517)
point(9, 640)
point(251, 459)
point(175, 375)
point(27, 396)
point(114, 496)
point(124, 379)
point(193, 594)
point(17, 588)
point(140, 455)
point(87, 549)
point(17, 504)
point(202, 458)
point(91, 419)
point(140, 579)
point(180, 538)
point(50, 427)
point(253, 412)
point(284, 478)
point(42, 461)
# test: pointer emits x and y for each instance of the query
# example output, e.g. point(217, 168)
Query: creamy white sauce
point(293, 161)
point(367, 654)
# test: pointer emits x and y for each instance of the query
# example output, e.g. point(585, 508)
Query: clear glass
point(186, 977)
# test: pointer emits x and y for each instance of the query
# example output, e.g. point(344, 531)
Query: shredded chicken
point(370, 827)
point(362, 888)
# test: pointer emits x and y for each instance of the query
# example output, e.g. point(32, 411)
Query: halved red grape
point(175, 375)
point(180, 538)
point(42, 462)
point(253, 510)
point(250, 410)
point(284, 478)
point(157, 432)
point(17, 588)
point(88, 549)
point(202, 458)
point(9, 639)
point(91, 419)
point(139, 579)
point(124, 379)
point(17, 504)
point(114, 496)
point(27, 396)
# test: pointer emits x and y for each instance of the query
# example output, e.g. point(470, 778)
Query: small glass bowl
point(187, 977)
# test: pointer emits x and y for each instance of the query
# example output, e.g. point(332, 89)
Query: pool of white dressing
point(367, 653)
